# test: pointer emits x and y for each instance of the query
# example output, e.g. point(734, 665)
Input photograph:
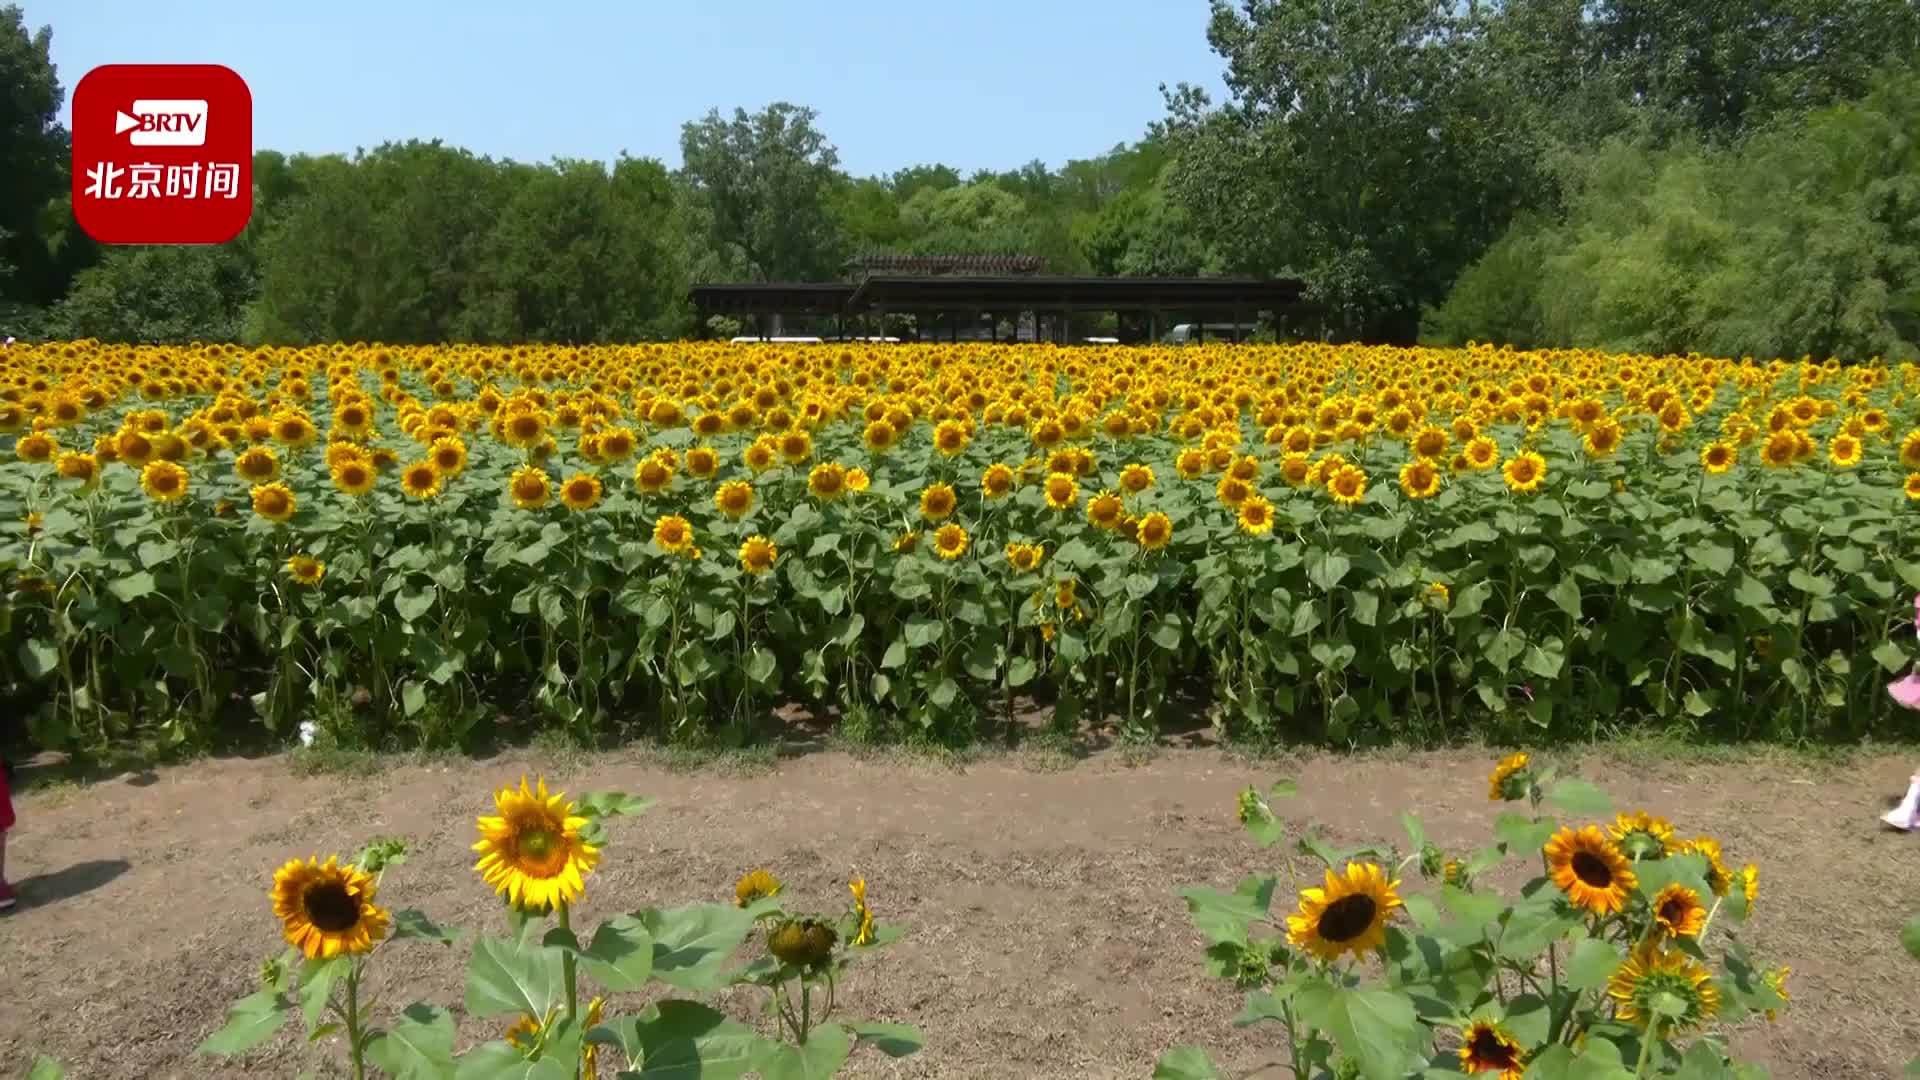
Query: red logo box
point(162, 154)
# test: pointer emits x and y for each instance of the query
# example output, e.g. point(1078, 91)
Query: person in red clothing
point(7, 899)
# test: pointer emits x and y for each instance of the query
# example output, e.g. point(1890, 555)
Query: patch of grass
point(1654, 748)
point(320, 760)
point(561, 747)
point(1137, 755)
point(729, 761)
point(1047, 752)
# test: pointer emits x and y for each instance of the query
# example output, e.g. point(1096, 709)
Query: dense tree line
point(1726, 175)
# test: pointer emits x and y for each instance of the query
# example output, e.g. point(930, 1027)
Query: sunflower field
point(413, 545)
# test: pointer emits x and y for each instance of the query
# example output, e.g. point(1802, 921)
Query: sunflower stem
point(567, 965)
point(1646, 1046)
point(354, 1042)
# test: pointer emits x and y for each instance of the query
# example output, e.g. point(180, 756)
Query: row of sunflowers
point(400, 544)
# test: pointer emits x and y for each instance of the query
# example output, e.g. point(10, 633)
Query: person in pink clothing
point(1906, 691)
point(7, 899)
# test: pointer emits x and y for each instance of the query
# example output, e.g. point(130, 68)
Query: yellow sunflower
point(1482, 453)
point(1912, 487)
point(1105, 510)
point(755, 886)
point(1718, 879)
point(448, 454)
point(532, 850)
point(1844, 452)
point(1678, 912)
point(1420, 479)
point(937, 502)
point(1136, 478)
point(879, 436)
point(530, 487)
point(1652, 971)
point(1590, 869)
point(581, 491)
point(275, 502)
point(1024, 558)
point(1347, 485)
point(858, 480)
point(702, 461)
point(734, 498)
point(1603, 438)
point(950, 541)
point(85, 468)
point(1509, 780)
point(862, 915)
point(827, 481)
point(1486, 1047)
point(1525, 472)
point(757, 555)
point(306, 569)
point(1718, 457)
point(997, 480)
point(1347, 915)
point(353, 477)
point(652, 474)
point(906, 542)
point(673, 534)
point(327, 910)
point(420, 480)
point(1061, 490)
point(1256, 515)
point(1155, 531)
point(950, 437)
point(1642, 835)
point(163, 481)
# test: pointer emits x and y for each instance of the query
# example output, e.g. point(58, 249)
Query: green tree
point(166, 294)
point(1362, 149)
point(33, 159)
point(766, 183)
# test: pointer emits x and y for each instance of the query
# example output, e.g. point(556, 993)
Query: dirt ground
point(1044, 937)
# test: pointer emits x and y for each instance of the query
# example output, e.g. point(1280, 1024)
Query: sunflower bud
point(1252, 972)
point(1251, 808)
point(1432, 861)
point(802, 942)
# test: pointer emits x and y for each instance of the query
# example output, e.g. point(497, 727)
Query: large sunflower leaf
point(45, 1068)
point(413, 924)
point(252, 1021)
point(620, 957)
point(612, 804)
point(1378, 1029)
point(1910, 937)
point(820, 1059)
point(685, 1040)
point(1580, 798)
point(893, 1040)
point(317, 978)
point(502, 1061)
point(1185, 1063)
point(419, 1046)
point(1224, 917)
point(1593, 962)
point(508, 978)
point(693, 943)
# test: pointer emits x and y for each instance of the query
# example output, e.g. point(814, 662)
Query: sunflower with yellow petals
point(531, 851)
point(1485, 1047)
point(327, 910)
point(1652, 971)
point(1348, 915)
point(1590, 870)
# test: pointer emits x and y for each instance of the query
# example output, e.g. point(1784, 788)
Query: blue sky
point(980, 84)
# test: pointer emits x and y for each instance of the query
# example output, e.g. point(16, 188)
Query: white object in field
point(1906, 816)
point(776, 341)
point(307, 731)
point(1101, 341)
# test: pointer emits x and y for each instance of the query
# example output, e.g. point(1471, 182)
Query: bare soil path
point(1044, 938)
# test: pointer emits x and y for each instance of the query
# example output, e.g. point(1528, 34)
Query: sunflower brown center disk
point(539, 852)
point(1592, 870)
point(1347, 918)
point(330, 908)
point(1491, 1052)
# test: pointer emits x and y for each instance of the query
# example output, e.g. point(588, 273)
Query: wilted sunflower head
point(327, 910)
point(802, 943)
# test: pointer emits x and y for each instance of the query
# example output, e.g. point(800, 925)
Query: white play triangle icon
point(123, 122)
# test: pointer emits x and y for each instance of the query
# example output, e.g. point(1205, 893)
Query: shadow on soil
point(80, 878)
